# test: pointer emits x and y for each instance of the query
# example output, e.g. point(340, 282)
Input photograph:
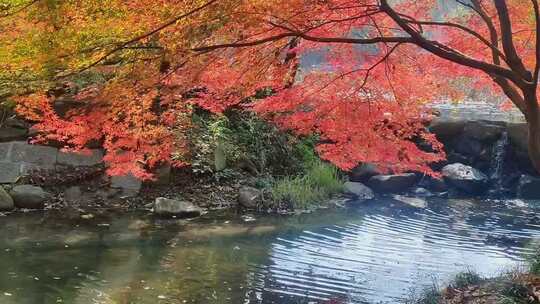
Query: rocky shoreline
point(485, 159)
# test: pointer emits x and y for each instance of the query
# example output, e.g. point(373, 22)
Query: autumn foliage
point(360, 74)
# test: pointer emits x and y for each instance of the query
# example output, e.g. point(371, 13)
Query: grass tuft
point(319, 183)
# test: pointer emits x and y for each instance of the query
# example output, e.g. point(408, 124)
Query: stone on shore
point(392, 183)
point(29, 197)
point(170, 207)
point(363, 172)
point(359, 191)
point(6, 202)
point(249, 197)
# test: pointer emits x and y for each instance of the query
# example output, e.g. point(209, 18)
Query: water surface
point(375, 253)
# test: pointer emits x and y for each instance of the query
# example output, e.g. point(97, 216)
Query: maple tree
point(380, 63)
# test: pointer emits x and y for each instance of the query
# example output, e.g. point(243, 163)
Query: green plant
point(318, 184)
point(466, 278)
point(429, 295)
point(534, 262)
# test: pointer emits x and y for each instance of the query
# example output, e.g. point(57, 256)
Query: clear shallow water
point(372, 254)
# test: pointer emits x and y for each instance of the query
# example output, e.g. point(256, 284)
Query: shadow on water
point(375, 253)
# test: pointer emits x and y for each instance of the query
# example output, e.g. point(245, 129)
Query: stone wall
point(19, 158)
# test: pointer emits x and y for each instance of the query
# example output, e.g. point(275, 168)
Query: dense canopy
point(359, 74)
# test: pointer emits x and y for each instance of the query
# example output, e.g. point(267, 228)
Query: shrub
point(534, 262)
point(466, 278)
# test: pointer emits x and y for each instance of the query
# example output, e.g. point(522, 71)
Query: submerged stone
point(411, 201)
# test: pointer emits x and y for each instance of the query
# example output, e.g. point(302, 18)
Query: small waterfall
point(497, 161)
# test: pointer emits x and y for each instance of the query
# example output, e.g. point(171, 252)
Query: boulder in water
point(359, 191)
point(392, 183)
point(433, 184)
point(466, 178)
point(6, 202)
point(529, 187)
point(29, 197)
point(170, 207)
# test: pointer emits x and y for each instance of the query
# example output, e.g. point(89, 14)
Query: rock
point(42, 156)
point(6, 202)
point(433, 184)
point(468, 146)
point(466, 178)
point(29, 197)
point(421, 192)
point(169, 207)
point(163, 174)
point(392, 183)
point(4, 150)
point(9, 172)
point(529, 187)
point(73, 194)
point(249, 197)
point(72, 159)
point(411, 201)
point(12, 133)
point(483, 131)
point(518, 134)
point(363, 172)
point(359, 191)
point(446, 129)
point(129, 184)
point(220, 158)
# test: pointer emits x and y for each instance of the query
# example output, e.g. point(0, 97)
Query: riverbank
point(520, 285)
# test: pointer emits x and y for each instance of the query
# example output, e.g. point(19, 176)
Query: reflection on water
point(372, 254)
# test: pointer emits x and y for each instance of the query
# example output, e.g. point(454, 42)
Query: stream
point(379, 252)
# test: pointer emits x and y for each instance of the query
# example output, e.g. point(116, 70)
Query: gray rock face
point(411, 201)
point(11, 133)
point(9, 172)
point(519, 134)
point(363, 172)
point(433, 184)
point(44, 157)
point(6, 202)
point(95, 157)
point(29, 197)
point(529, 187)
point(169, 207)
point(392, 183)
point(129, 184)
point(4, 150)
point(466, 178)
point(359, 191)
point(249, 197)
point(483, 130)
